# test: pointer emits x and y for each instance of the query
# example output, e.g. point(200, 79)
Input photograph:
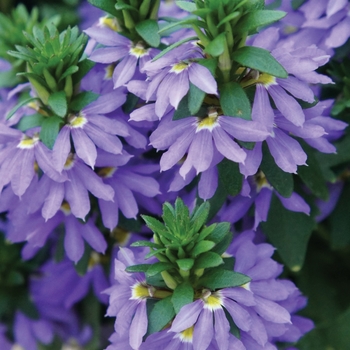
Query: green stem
point(225, 64)
point(154, 11)
point(169, 280)
point(128, 21)
point(202, 37)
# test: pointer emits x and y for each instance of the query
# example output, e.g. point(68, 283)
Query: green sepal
point(219, 278)
point(186, 5)
point(148, 30)
point(154, 252)
point(260, 60)
point(183, 294)
point(105, 5)
point(160, 315)
point(199, 216)
point(58, 103)
point(50, 128)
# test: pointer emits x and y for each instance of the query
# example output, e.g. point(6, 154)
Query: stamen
point(179, 67)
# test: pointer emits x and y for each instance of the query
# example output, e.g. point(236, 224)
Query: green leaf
point(185, 264)
point(217, 46)
point(84, 67)
point(145, 244)
point(208, 259)
point(71, 70)
point(148, 30)
point(220, 278)
point(228, 18)
point(195, 99)
point(199, 216)
point(230, 176)
point(282, 182)
point(210, 63)
point(234, 101)
point(186, 5)
point(30, 121)
point(138, 268)
point(157, 268)
point(154, 224)
point(161, 314)
point(202, 247)
point(340, 220)
point(19, 105)
point(105, 5)
point(259, 59)
point(312, 176)
point(58, 103)
point(173, 46)
point(49, 130)
point(82, 100)
point(154, 252)
point(182, 110)
point(221, 247)
point(260, 18)
point(122, 6)
point(220, 231)
point(182, 295)
point(289, 232)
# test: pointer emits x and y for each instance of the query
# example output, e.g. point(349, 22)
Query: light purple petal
point(127, 202)
point(179, 89)
point(84, 147)
point(208, 183)
point(187, 316)
point(201, 150)
point(339, 34)
point(239, 294)
point(295, 203)
point(106, 103)
point(124, 71)
point(222, 328)
point(297, 88)
point(53, 201)
point(108, 54)
point(202, 78)
point(262, 111)
point(287, 105)
point(61, 148)
point(109, 212)
point(94, 237)
point(252, 161)
point(73, 242)
point(262, 206)
point(203, 330)
point(227, 147)
point(106, 36)
point(239, 315)
point(271, 311)
point(138, 327)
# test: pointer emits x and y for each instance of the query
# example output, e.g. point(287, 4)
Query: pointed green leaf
point(148, 30)
point(220, 231)
point(186, 5)
point(183, 295)
point(105, 5)
point(230, 177)
point(202, 247)
point(234, 101)
point(58, 103)
point(217, 46)
point(157, 268)
point(49, 130)
point(30, 121)
point(208, 259)
point(82, 100)
point(260, 18)
point(199, 216)
point(182, 110)
point(138, 268)
point(260, 60)
point(19, 105)
point(185, 264)
point(195, 99)
point(154, 252)
point(145, 244)
point(161, 314)
point(220, 278)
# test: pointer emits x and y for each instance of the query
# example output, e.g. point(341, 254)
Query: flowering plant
point(160, 161)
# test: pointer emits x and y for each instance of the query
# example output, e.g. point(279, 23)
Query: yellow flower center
point(139, 291)
point(65, 207)
point(209, 122)
point(255, 77)
point(138, 50)
point(107, 172)
point(212, 301)
point(69, 162)
point(110, 22)
point(77, 121)
point(121, 236)
point(109, 71)
point(186, 336)
point(179, 67)
point(28, 142)
point(261, 181)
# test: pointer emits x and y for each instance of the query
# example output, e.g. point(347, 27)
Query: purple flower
point(128, 301)
point(119, 48)
point(202, 138)
point(170, 77)
point(89, 129)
